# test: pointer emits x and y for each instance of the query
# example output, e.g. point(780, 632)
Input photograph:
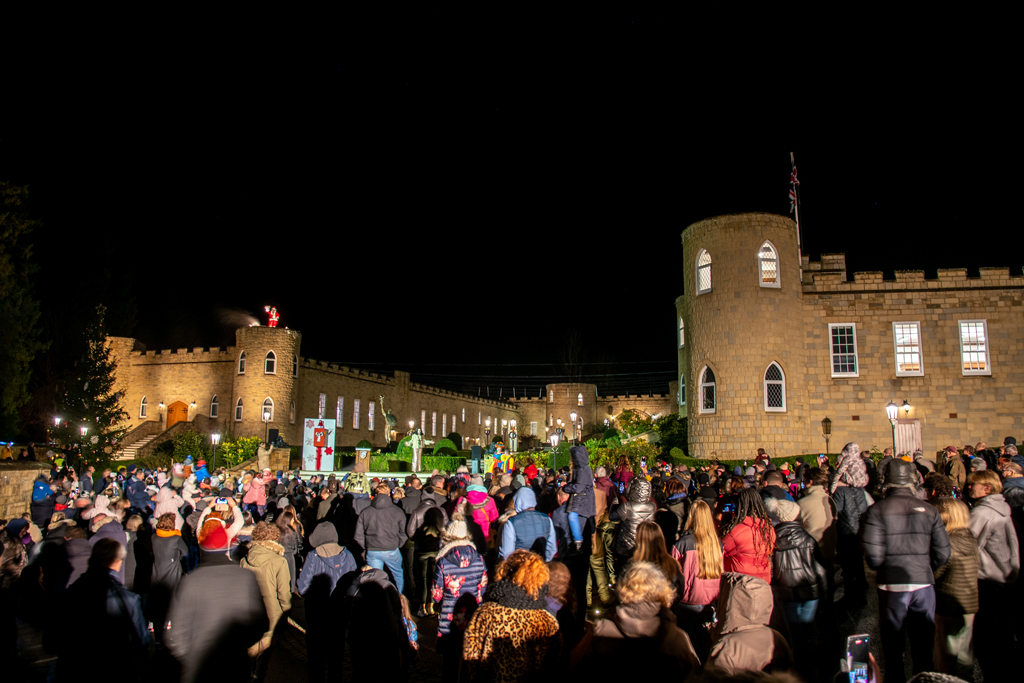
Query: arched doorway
point(176, 412)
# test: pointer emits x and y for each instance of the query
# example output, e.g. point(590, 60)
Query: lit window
point(479, 418)
point(355, 413)
point(423, 421)
point(143, 409)
point(682, 332)
point(551, 420)
point(774, 389)
point(321, 406)
point(291, 413)
point(444, 423)
point(682, 390)
point(768, 265)
point(339, 412)
point(295, 366)
point(551, 397)
point(241, 363)
point(268, 410)
point(453, 423)
point(907, 338)
point(533, 429)
point(433, 423)
point(708, 402)
point(463, 416)
point(703, 272)
point(238, 410)
point(843, 349)
point(214, 407)
point(974, 353)
point(369, 415)
point(270, 364)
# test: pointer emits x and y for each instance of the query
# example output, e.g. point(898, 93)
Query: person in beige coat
point(266, 559)
point(819, 513)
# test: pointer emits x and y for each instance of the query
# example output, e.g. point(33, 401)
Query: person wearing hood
point(459, 582)
point(380, 529)
point(640, 629)
point(905, 541)
point(582, 508)
point(370, 610)
point(201, 472)
point(484, 511)
point(954, 468)
point(992, 525)
point(137, 494)
point(742, 639)
point(106, 524)
point(424, 528)
point(637, 508)
point(320, 575)
point(42, 502)
point(266, 559)
point(850, 496)
point(169, 502)
point(528, 529)
point(255, 498)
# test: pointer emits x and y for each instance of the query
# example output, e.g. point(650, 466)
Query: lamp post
point(215, 438)
point(56, 423)
point(826, 431)
point(572, 416)
point(513, 437)
point(554, 446)
point(266, 425)
point(892, 410)
point(487, 433)
point(504, 432)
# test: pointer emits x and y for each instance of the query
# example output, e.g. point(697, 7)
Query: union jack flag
point(793, 182)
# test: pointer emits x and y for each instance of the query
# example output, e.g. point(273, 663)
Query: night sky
point(459, 209)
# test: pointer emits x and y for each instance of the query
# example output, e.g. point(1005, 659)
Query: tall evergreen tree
point(19, 312)
point(90, 400)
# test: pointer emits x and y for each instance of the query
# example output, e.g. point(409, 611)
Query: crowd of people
point(707, 573)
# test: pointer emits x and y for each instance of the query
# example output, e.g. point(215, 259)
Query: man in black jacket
point(905, 541)
point(380, 529)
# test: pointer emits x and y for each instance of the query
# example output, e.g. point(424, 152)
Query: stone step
point(130, 452)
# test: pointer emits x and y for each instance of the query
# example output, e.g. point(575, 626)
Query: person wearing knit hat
point(484, 510)
point(460, 570)
point(320, 574)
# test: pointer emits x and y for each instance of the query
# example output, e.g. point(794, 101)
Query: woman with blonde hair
point(699, 553)
point(956, 592)
point(641, 631)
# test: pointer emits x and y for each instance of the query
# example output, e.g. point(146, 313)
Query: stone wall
point(16, 487)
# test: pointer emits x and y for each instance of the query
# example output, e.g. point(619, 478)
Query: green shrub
point(456, 438)
point(435, 462)
point(399, 466)
point(610, 432)
point(364, 445)
point(191, 442)
point(676, 455)
point(445, 443)
point(404, 450)
point(448, 452)
point(496, 439)
point(378, 463)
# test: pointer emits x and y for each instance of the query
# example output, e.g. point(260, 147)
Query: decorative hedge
point(438, 462)
point(445, 443)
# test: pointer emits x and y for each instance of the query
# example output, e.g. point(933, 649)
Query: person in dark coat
point(905, 541)
point(424, 529)
point(851, 499)
point(324, 568)
point(581, 488)
point(370, 611)
point(380, 529)
point(169, 555)
point(42, 502)
point(78, 551)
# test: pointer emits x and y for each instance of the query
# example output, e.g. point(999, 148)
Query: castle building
point(229, 390)
point(770, 343)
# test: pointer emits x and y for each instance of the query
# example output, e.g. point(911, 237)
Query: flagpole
point(796, 212)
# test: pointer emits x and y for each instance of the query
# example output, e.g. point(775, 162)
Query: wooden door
point(176, 412)
point(908, 436)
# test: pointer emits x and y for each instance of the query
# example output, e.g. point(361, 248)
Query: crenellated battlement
point(197, 354)
point(816, 281)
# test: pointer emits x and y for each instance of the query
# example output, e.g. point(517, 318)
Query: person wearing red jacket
point(748, 540)
point(530, 472)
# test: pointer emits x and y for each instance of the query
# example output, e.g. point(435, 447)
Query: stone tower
point(742, 311)
point(261, 379)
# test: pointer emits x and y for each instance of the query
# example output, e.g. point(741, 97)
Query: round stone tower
point(269, 372)
point(743, 358)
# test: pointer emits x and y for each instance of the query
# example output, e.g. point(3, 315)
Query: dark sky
point(458, 203)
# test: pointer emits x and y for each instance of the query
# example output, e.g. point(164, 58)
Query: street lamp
point(487, 432)
point(572, 416)
point(266, 428)
point(906, 408)
point(554, 447)
point(826, 431)
point(892, 410)
point(504, 432)
point(513, 438)
point(215, 438)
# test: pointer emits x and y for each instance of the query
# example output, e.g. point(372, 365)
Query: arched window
point(241, 363)
point(768, 265)
point(774, 389)
point(214, 407)
point(270, 364)
point(682, 332)
point(268, 408)
point(143, 409)
point(579, 400)
point(295, 366)
point(291, 415)
point(682, 390)
point(708, 398)
point(703, 272)
point(551, 397)
point(238, 410)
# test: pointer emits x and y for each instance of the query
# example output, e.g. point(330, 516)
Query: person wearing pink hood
point(255, 499)
point(476, 501)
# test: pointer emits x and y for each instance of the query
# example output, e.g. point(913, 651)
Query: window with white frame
point(369, 415)
point(433, 423)
point(238, 410)
point(453, 423)
point(444, 423)
point(339, 413)
point(423, 421)
point(479, 417)
point(768, 265)
point(267, 415)
point(703, 272)
point(682, 332)
point(463, 416)
point(355, 413)
point(270, 364)
point(291, 413)
point(214, 407)
point(241, 363)
point(551, 397)
point(143, 409)
point(843, 349)
point(774, 389)
point(295, 366)
point(321, 406)
point(682, 390)
point(974, 351)
point(533, 429)
point(708, 397)
point(907, 340)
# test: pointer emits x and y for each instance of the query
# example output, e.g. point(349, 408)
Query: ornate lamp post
point(826, 431)
point(504, 432)
point(266, 425)
point(513, 438)
point(572, 417)
point(892, 410)
point(487, 433)
point(554, 445)
point(215, 438)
